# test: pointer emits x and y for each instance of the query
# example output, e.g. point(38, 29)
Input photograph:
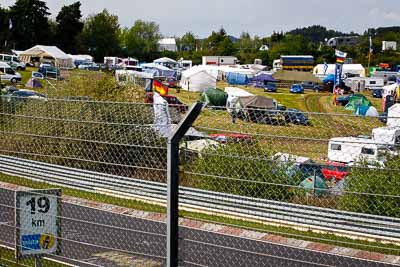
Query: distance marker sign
point(37, 220)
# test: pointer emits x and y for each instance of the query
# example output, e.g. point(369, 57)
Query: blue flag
point(338, 74)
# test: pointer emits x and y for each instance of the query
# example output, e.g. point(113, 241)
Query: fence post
point(173, 183)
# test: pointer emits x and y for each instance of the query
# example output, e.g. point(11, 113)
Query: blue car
point(270, 87)
point(297, 89)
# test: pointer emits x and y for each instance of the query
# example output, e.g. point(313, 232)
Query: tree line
point(28, 23)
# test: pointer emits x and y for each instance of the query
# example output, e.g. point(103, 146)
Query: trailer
point(359, 84)
point(220, 60)
point(354, 149)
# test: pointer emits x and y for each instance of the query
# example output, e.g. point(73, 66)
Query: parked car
point(13, 61)
point(335, 171)
point(377, 93)
point(171, 82)
point(297, 89)
point(20, 95)
point(49, 71)
point(89, 66)
point(8, 74)
point(311, 85)
point(270, 87)
point(297, 117)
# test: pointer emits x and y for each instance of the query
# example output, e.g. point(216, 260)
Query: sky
point(258, 17)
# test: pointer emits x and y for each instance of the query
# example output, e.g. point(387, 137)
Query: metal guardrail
point(300, 216)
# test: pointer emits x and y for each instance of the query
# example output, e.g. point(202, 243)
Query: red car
point(335, 171)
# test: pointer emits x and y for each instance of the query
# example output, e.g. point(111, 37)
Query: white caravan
point(353, 149)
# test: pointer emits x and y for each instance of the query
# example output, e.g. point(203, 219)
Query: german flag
point(340, 59)
point(160, 88)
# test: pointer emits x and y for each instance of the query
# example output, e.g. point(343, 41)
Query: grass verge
point(281, 231)
point(7, 258)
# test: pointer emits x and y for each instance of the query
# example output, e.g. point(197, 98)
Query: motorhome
point(220, 61)
point(354, 149)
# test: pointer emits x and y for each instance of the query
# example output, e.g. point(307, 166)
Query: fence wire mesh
point(332, 177)
point(96, 151)
point(249, 177)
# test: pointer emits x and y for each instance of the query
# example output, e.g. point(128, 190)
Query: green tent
point(214, 97)
point(317, 187)
point(356, 101)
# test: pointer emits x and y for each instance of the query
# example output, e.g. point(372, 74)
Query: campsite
point(204, 133)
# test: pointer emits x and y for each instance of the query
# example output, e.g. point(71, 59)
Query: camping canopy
point(53, 53)
point(214, 97)
point(234, 78)
point(358, 103)
point(197, 79)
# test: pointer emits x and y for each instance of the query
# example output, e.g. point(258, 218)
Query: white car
point(8, 74)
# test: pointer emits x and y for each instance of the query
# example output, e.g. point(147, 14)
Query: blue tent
point(266, 78)
point(329, 78)
point(237, 78)
point(262, 80)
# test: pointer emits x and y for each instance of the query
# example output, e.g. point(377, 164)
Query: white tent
point(198, 79)
point(165, 60)
point(51, 53)
point(233, 94)
point(356, 69)
point(394, 116)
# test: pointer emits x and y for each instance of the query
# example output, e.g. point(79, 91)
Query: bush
point(241, 169)
point(373, 190)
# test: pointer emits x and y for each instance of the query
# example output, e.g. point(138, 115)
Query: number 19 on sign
point(37, 222)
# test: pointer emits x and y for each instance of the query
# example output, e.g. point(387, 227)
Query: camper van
point(8, 74)
point(13, 61)
point(353, 149)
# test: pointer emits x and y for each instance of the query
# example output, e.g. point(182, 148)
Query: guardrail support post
point(173, 183)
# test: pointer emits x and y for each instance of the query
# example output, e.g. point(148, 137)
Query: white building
point(167, 44)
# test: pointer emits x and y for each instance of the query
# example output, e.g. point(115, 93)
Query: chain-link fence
point(329, 176)
point(89, 149)
point(257, 187)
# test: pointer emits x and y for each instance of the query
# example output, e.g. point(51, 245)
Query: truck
point(299, 63)
point(220, 60)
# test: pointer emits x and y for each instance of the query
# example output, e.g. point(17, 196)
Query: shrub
point(241, 169)
point(373, 190)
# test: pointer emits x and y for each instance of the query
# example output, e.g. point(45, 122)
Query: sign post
point(37, 220)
